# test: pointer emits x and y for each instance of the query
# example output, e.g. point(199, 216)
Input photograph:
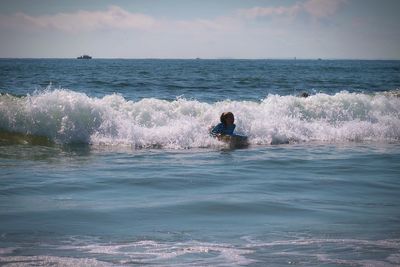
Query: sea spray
point(66, 116)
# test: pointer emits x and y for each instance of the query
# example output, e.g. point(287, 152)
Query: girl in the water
point(226, 127)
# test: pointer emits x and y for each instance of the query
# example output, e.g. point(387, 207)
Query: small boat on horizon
point(84, 57)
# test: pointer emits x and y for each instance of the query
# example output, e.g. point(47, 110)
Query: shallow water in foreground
point(302, 204)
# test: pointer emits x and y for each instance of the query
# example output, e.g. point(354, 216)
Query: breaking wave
point(65, 116)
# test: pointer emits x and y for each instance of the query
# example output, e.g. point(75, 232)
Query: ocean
point(109, 162)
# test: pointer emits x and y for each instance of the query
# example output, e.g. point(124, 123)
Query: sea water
point(110, 163)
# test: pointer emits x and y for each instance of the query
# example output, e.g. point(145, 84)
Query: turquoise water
point(95, 173)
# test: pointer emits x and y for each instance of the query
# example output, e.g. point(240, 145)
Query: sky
point(245, 29)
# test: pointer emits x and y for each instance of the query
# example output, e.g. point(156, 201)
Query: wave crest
point(66, 116)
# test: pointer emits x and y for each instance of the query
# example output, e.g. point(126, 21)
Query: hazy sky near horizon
point(362, 29)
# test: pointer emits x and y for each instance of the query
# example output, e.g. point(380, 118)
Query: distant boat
point(84, 57)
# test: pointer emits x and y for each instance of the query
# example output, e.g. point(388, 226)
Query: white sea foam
point(19, 261)
point(66, 116)
point(302, 251)
point(324, 250)
point(170, 254)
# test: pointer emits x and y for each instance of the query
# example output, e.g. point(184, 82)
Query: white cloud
point(112, 18)
point(322, 8)
point(255, 12)
point(315, 8)
point(117, 18)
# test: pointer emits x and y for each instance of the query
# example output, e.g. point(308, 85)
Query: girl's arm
point(217, 129)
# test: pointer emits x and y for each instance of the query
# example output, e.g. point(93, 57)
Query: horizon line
point(216, 58)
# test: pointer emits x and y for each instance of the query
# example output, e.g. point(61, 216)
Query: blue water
point(109, 163)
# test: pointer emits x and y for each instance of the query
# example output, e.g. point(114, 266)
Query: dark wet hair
point(304, 94)
point(226, 115)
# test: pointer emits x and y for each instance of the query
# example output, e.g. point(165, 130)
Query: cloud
point(315, 8)
point(216, 25)
point(112, 18)
point(255, 12)
point(116, 18)
point(322, 8)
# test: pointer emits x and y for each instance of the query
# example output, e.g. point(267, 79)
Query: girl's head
point(227, 118)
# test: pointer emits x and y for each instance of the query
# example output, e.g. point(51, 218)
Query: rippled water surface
point(112, 164)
